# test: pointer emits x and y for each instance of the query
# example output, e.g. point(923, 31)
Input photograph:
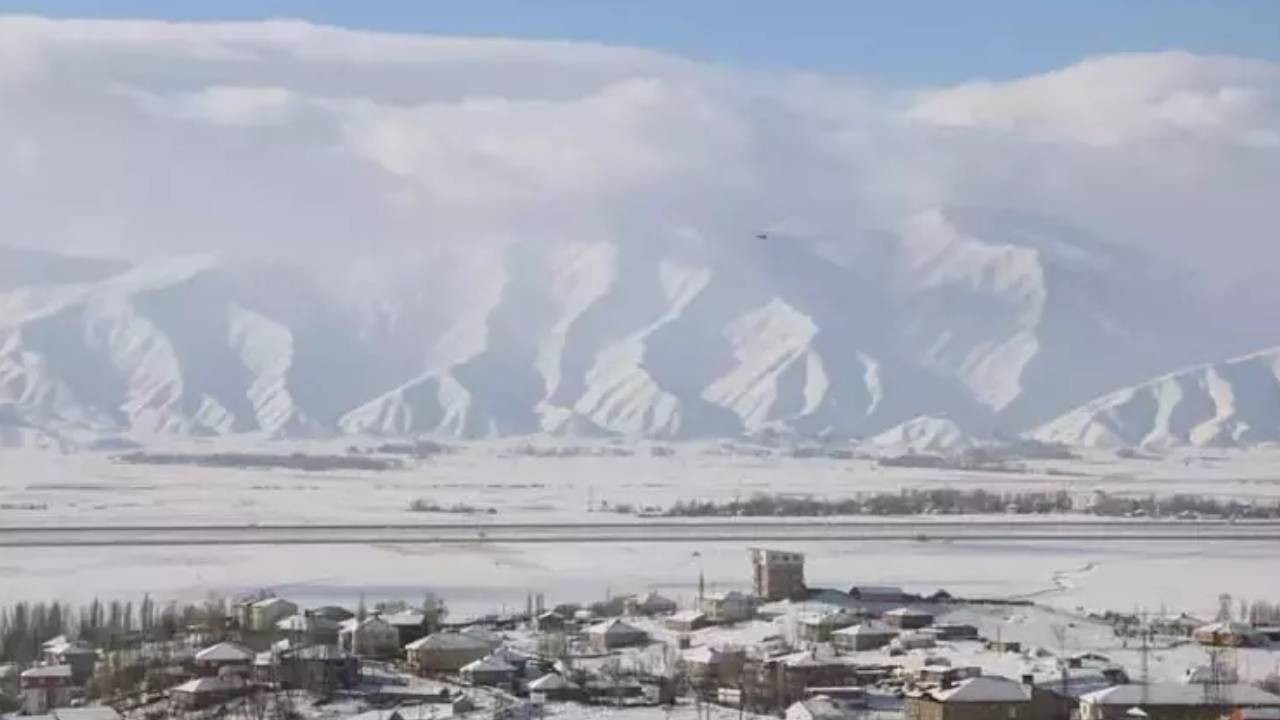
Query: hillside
point(1231, 403)
point(987, 319)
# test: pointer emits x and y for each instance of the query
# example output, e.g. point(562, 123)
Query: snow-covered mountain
point(993, 321)
point(1231, 403)
point(924, 435)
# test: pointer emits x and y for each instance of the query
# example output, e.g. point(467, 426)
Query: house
point(823, 707)
point(613, 607)
point(264, 614)
point(309, 629)
point(550, 621)
point(206, 692)
point(553, 687)
point(612, 690)
point(445, 652)
point(1179, 625)
point(727, 607)
point(319, 669)
point(651, 603)
point(781, 681)
point(711, 667)
point(907, 618)
point(914, 641)
point(409, 624)
point(687, 621)
point(777, 575)
point(818, 627)
point(867, 635)
point(946, 675)
point(214, 658)
point(490, 671)
point(81, 656)
point(615, 634)
point(1173, 701)
point(1229, 634)
point(954, 631)
point(980, 698)
point(335, 613)
point(372, 637)
point(45, 687)
point(484, 635)
point(1004, 646)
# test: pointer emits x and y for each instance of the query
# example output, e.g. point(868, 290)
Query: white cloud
point(1115, 100)
point(320, 144)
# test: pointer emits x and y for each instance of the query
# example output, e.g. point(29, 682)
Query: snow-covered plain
point(40, 488)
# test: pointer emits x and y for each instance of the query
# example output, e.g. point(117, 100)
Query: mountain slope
point(991, 320)
point(1231, 403)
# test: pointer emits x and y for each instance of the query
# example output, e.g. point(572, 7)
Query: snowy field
point(40, 488)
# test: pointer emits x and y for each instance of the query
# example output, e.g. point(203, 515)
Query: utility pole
point(1146, 659)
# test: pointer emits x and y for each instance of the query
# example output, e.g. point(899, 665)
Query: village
point(779, 649)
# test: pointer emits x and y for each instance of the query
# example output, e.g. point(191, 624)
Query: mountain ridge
point(987, 320)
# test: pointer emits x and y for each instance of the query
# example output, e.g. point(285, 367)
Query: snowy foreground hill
point(957, 323)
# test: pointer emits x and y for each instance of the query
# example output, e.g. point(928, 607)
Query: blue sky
point(905, 41)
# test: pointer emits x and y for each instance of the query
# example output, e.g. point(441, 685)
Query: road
point(655, 531)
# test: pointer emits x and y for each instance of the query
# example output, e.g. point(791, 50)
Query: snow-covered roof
point(293, 623)
point(688, 615)
point(984, 689)
point(551, 681)
point(492, 663)
point(1227, 628)
point(225, 652)
point(55, 642)
point(821, 707)
point(868, 627)
point(447, 641)
point(705, 655)
point(409, 618)
point(614, 627)
point(1180, 694)
point(272, 601)
point(208, 685)
point(350, 626)
point(48, 671)
point(909, 612)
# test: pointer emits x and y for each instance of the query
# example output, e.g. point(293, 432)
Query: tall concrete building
point(778, 575)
